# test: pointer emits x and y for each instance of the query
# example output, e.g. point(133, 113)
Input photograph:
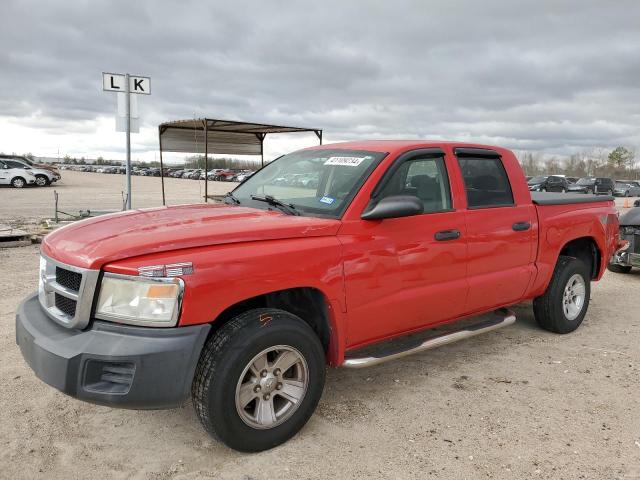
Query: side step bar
point(498, 319)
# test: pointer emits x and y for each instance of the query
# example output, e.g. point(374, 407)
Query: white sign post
point(117, 82)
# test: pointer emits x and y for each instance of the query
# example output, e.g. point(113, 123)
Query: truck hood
point(96, 241)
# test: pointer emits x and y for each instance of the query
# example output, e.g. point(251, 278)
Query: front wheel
point(18, 182)
point(564, 304)
point(259, 379)
point(42, 180)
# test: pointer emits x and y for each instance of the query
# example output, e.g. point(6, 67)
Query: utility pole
point(128, 112)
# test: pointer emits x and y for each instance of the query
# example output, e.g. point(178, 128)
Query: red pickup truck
point(242, 305)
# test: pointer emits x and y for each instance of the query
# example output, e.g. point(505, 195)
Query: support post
point(319, 135)
point(161, 165)
point(206, 163)
point(262, 150)
point(128, 113)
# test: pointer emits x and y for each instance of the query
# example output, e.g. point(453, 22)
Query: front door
point(403, 274)
point(4, 174)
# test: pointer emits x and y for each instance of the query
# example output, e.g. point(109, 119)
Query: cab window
point(425, 178)
point(486, 182)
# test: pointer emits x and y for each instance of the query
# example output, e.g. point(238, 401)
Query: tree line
point(618, 163)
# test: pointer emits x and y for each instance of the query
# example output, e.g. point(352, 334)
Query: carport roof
point(222, 136)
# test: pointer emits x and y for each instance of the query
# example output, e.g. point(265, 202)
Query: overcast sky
point(546, 76)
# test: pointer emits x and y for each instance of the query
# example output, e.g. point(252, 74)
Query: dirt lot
point(516, 403)
point(96, 191)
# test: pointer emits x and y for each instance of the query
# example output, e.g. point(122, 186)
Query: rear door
point(499, 232)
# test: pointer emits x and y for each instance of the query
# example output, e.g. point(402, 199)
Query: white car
point(16, 177)
point(43, 176)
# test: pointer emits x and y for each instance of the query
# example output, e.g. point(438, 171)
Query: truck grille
point(65, 305)
point(68, 279)
point(66, 292)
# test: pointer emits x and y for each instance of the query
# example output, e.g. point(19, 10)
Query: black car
point(597, 185)
point(550, 183)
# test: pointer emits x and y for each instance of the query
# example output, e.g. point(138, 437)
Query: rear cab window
point(485, 179)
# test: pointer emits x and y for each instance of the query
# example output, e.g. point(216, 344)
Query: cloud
point(546, 76)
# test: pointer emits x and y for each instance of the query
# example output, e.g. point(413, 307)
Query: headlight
point(140, 301)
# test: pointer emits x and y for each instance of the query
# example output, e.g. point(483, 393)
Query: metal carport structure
point(215, 136)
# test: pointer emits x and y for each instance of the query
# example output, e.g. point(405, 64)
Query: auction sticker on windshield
point(345, 161)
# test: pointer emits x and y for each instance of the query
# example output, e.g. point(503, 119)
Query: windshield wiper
point(230, 196)
point(285, 207)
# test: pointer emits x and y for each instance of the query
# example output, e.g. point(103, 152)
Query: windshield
point(315, 182)
point(621, 185)
point(535, 180)
point(586, 181)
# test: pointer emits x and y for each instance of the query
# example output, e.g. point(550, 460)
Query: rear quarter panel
point(560, 224)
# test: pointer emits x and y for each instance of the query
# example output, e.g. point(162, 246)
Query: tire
point(226, 364)
point(42, 181)
point(615, 268)
point(627, 193)
point(549, 309)
point(18, 182)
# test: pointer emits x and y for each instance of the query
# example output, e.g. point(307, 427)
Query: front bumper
point(628, 259)
point(110, 364)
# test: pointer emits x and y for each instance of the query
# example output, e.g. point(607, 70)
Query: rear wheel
point(18, 182)
point(564, 304)
point(42, 180)
point(615, 268)
point(259, 379)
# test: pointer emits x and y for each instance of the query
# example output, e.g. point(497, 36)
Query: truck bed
point(551, 198)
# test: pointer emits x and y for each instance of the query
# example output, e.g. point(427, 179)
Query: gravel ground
point(516, 403)
point(97, 191)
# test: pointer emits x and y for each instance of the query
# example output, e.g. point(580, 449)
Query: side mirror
point(394, 207)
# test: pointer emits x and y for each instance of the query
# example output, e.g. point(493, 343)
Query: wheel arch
point(308, 303)
point(587, 250)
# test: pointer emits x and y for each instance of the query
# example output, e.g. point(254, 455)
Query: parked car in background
point(44, 177)
point(241, 177)
point(597, 185)
point(44, 166)
point(550, 183)
point(16, 177)
point(625, 188)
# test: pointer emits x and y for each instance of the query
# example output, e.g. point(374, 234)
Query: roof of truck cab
point(395, 145)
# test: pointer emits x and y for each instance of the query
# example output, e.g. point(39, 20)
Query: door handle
point(447, 235)
point(521, 226)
